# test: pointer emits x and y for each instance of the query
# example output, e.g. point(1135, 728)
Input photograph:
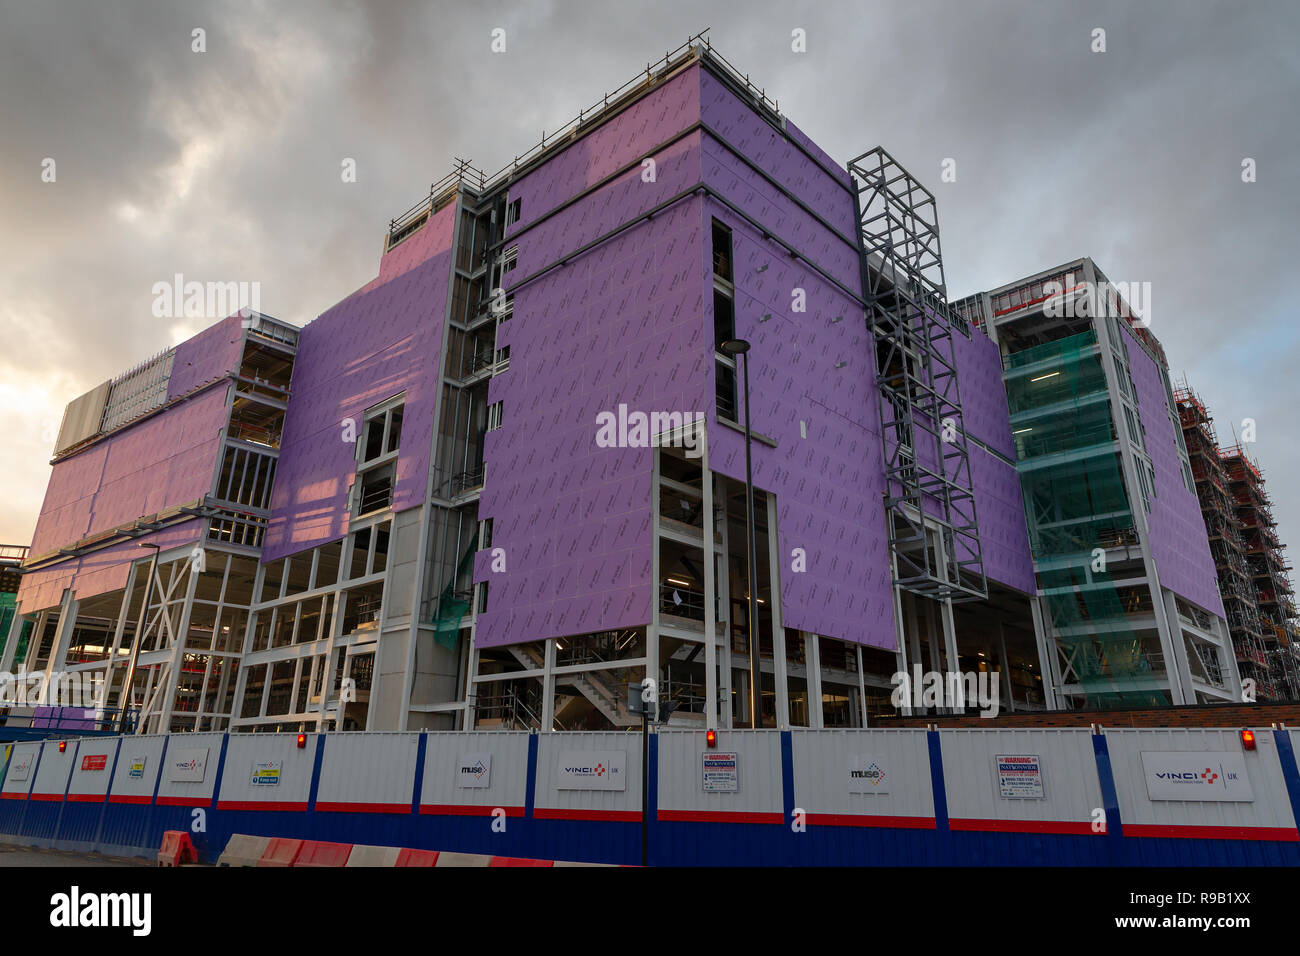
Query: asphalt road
point(30, 856)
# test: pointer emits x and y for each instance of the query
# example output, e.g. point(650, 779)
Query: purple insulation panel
point(214, 352)
point(163, 461)
point(384, 339)
point(828, 486)
point(623, 323)
point(811, 373)
point(99, 571)
point(1004, 536)
point(1179, 543)
point(983, 396)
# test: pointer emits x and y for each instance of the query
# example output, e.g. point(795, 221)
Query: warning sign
point(266, 773)
point(94, 762)
point(721, 772)
point(1020, 776)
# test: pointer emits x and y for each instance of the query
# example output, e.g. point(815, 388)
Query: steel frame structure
point(930, 505)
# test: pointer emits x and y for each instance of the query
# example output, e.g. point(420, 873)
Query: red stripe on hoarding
point(48, 797)
point(871, 820)
point(1285, 834)
point(184, 801)
point(136, 798)
point(257, 805)
point(720, 816)
point(349, 807)
point(14, 794)
point(462, 810)
point(85, 798)
point(1083, 827)
point(561, 814)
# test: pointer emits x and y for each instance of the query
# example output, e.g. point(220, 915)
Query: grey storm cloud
point(225, 165)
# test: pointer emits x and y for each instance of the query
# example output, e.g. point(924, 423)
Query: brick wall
point(1212, 715)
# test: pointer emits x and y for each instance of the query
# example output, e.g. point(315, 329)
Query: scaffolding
point(1253, 581)
point(1274, 597)
point(933, 529)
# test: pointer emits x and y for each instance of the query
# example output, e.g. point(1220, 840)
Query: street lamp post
point(740, 347)
point(124, 698)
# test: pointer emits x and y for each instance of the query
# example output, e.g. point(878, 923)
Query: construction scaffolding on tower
point(1227, 541)
point(1274, 596)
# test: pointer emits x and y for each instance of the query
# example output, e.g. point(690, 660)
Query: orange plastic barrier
point(177, 848)
point(518, 861)
point(319, 853)
point(417, 858)
point(280, 852)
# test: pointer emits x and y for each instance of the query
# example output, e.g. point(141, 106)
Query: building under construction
point(1257, 595)
point(402, 515)
point(1129, 611)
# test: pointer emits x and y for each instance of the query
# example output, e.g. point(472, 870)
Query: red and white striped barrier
point(245, 850)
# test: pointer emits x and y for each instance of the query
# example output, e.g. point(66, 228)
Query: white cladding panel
point(758, 770)
point(507, 781)
point(246, 752)
point(1067, 767)
point(822, 761)
point(1271, 806)
point(373, 768)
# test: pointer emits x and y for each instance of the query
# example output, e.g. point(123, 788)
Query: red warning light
point(63, 746)
point(711, 738)
point(1247, 739)
point(302, 741)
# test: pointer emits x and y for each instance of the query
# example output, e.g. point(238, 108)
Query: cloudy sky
point(225, 165)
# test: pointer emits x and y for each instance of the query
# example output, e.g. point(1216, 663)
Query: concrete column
point(724, 602)
point(778, 630)
point(652, 630)
point(62, 634)
point(11, 642)
point(862, 689)
point(710, 588)
point(548, 687)
point(812, 656)
point(1008, 698)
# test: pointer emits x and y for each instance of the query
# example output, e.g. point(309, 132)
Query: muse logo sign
point(1218, 776)
point(474, 771)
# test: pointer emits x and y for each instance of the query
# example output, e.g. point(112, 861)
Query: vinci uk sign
point(1192, 775)
point(187, 766)
point(591, 770)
